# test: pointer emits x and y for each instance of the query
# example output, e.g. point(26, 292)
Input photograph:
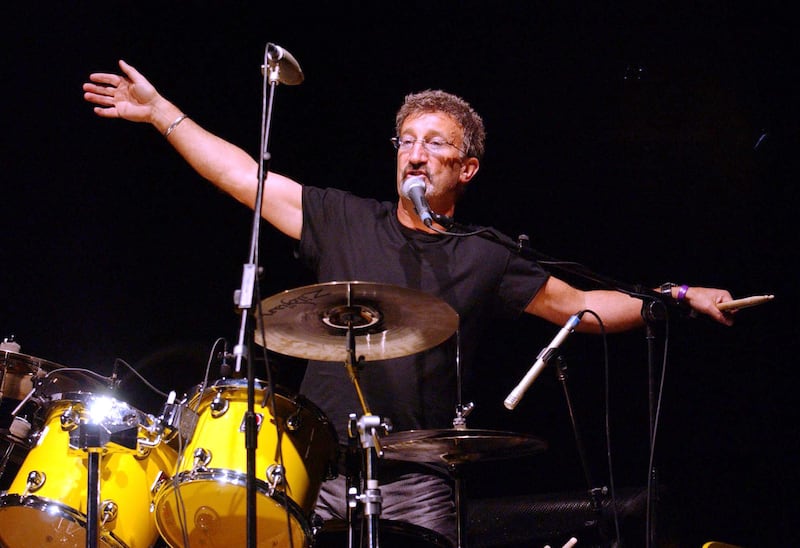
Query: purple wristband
point(682, 293)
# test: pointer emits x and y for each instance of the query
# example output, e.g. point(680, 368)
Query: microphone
point(114, 380)
point(541, 361)
point(288, 69)
point(414, 189)
point(225, 369)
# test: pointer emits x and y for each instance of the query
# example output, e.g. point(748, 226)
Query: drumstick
point(570, 543)
point(736, 304)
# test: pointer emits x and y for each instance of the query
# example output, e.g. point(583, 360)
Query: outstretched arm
point(557, 301)
point(132, 97)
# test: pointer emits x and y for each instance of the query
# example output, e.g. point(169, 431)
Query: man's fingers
point(106, 112)
point(131, 72)
point(105, 78)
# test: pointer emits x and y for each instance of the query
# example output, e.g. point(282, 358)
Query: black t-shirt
point(347, 238)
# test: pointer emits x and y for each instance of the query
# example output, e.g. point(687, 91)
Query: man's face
point(442, 164)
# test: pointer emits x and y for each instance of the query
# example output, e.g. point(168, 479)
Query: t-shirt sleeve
point(521, 281)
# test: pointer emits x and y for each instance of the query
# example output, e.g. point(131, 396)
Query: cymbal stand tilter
point(367, 429)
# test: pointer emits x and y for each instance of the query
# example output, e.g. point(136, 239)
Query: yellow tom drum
point(46, 503)
point(205, 502)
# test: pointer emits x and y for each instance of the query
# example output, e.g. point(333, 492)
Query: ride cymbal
point(388, 321)
point(459, 446)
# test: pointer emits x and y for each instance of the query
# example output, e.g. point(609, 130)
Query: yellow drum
point(205, 503)
point(46, 503)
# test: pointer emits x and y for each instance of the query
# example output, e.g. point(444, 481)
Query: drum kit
point(91, 470)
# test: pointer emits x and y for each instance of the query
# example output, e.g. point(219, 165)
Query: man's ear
point(469, 169)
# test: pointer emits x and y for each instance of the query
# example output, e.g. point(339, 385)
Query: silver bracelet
point(175, 124)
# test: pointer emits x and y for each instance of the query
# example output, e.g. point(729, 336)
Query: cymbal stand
point(461, 504)
point(353, 476)
point(460, 423)
point(368, 427)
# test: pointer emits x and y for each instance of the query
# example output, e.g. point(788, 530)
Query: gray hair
point(452, 105)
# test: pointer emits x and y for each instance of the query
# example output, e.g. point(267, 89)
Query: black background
point(649, 143)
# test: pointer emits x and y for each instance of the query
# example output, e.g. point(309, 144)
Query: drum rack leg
point(89, 437)
point(93, 500)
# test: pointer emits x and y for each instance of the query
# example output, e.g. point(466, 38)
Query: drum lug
point(108, 511)
point(219, 406)
point(160, 480)
point(34, 482)
point(201, 458)
point(142, 452)
point(293, 422)
point(317, 525)
point(68, 417)
point(275, 477)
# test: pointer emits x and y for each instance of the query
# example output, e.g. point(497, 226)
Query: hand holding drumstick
point(737, 304)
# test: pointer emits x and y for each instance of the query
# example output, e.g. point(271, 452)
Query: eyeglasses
point(436, 145)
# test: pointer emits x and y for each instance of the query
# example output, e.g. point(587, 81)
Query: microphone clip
point(443, 220)
point(225, 368)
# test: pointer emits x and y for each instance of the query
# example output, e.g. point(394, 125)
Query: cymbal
point(17, 372)
point(459, 446)
point(388, 321)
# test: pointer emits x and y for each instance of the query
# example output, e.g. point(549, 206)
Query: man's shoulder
point(333, 197)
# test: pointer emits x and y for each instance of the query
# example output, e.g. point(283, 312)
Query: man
point(439, 138)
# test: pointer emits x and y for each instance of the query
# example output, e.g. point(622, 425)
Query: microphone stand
point(593, 491)
point(655, 307)
point(652, 480)
point(654, 304)
point(244, 296)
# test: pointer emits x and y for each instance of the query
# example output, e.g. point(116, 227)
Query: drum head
point(31, 521)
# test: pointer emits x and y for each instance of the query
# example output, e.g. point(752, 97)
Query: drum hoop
point(47, 506)
point(65, 398)
point(220, 475)
point(80, 396)
point(223, 385)
point(300, 401)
